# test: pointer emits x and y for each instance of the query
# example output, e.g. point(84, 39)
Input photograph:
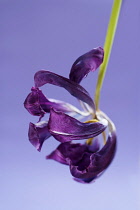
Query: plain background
point(44, 34)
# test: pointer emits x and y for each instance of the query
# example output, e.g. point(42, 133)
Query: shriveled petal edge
point(68, 151)
point(57, 156)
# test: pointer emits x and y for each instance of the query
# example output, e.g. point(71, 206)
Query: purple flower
point(86, 161)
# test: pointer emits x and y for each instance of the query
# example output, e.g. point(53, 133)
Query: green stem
point(107, 47)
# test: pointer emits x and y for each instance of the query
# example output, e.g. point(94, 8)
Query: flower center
point(89, 141)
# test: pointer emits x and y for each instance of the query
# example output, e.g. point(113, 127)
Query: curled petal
point(38, 133)
point(65, 128)
point(68, 151)
point(45, 77)
point(37, 104)
point(97, 162)
point(57, 156)
point(33, 102)
point(74, 153)
point(90, 61)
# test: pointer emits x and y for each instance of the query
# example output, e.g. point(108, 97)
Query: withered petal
point(66, 128)
point(99, 161)
point(68, 151)
point(43, 77)
point(38, 133)
point(37, 104)
point(90, 61)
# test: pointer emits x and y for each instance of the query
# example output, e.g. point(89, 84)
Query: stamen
point(90, 140)
point(92, 121)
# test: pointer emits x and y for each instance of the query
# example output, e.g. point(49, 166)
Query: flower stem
point(107, 47)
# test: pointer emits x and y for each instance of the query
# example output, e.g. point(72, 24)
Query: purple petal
point(33, 102)
point(37, 104)
point(74, 153)
point(65, 128)
point(90, 61)
point(68, 151)
point(45, 77)
point(99, 161)
point(57, 156)
point(38, 133)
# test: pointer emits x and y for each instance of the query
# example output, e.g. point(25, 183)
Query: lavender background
point(43, 34)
